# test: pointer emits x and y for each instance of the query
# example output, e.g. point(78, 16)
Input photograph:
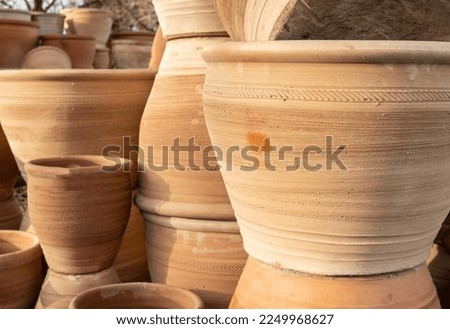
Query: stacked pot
point(192, 236)
point(340, 176)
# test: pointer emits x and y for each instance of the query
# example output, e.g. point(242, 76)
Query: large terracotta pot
point(262, 20)
point(359, 181)
point(439, 266)
point(188, 18)
point(20, 269)
point(137, 296)
point(265, 286)
point(10, 214)
point(58, 289)
point(206, 257)
point(16, 14)
point(90, 21)
point(174, 114)
point(48, 113)
point(17, 37)
point(8, 168)
point(79, 207)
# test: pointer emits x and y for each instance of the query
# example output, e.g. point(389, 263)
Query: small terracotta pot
point(91, 21)
point(80, 48)
point(58, 290)
point(16, 39)
point(130, 54)
point(20, 269)
point(8, 168)
point(137, 296)
point(10, 214)
point(102, 59)
point(206, 257)
point(265, 286)
point(439, 266)
point(46, 57)
point(142, 36)
point(158, 47)
point(79, 207)
point(49, 23)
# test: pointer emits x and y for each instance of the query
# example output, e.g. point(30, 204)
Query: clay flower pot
point(49, 23)
point(344, 151)
point(80, 112)
point(8, 168)
point(46, 57)
point(79, 207)
point(16, 14)
point(58, 290)
point(173, 183)
point(10, 214)
point(439, 266)
point(17, 38)
point(265, 286)
point(90, 21)
point(20, 269)
point(188, 18)
point(130, 54)
point(102, 59)
point(206, 257)
point(137, 296)
point(80, 48)
point(158, 47)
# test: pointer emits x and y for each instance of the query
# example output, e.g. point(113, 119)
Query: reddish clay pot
point(20, 269)
point(17, 37)
point(348, 166)
point(58, 290)
point(137, 296)
point(79, 207)
point(10, 214)
point(206, 257)
point(8, 168)
point(439, 266)
point(265, 286)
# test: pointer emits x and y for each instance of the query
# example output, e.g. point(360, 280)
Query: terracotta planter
point(174, 114)
point(439, 266)
point(49, 23)
point(102, 59)
point(79, 207)
point(80, 48)
point(58, 290)
point(80, 112)
point(188, 18)
point(206, 257)
point(142, 36)
point(46, 57)
point(369, 198)
point(138, 296)
point(131, 54)
point(131, 260)
point(8, 168)
point(262, 20)
point(16, 14)
point(16, 39)
point(10, 214)
point(90, 21)
point(158, 47)
point(265, 286)
point(20, 269)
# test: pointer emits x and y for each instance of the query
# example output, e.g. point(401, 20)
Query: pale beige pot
point(20, 269)
point(439, 266)
point(384, 106)
point(46, 57)
point(265, 286)
point(58, 289)
point(206, 257)
point(131, 54)
point(80, 111)
point(16, 14)
point(91, 21)
point(188, 18)
point(174, 113)
point(137, 296)
point(49, 23)
point(79, 207)
point(8, 168)
point(10, 214)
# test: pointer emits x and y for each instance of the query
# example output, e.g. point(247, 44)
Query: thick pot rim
point(25, 255)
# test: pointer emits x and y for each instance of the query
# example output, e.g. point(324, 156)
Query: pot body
point(80, 48)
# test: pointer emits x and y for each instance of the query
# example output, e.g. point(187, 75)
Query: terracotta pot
point(20, 269)
point(206, 257)
point(16, 14)
point(174, 113)
point(91, 21)
point(439, 266)
point(158, 47)
point(188, 18)
point(10, 214)
point(81, 214)
point(75, 117)
point(8, 168)
point(262, 20)
point(25, 225)
point(138, 296)
point(443, 237)
point(16, 39)
point(358, 178)
point(46, 57)
point(131, 260)
point(265, 286)
point(49, 23)
point(102, 59)
point(80, 48)
point(58, 290)
point(67, 12)
point(142, 36)
point(131, 54)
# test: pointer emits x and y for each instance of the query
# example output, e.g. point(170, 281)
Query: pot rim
point(330, 51)
point(190, 224)
point(23, 256)
point(67, 37)
point(6, 21)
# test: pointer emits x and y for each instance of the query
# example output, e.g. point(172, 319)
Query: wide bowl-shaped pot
point(340, 150)
point(91, 21)
point(8, 168)
point(20, 269)
point(79, 207)
point(17, 38)
point(131, 54)
point(137, 296)
point(48, 113)
point(46, 57)
point(16, 14)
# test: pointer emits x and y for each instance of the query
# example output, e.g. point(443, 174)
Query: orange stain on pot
point(259, 140)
